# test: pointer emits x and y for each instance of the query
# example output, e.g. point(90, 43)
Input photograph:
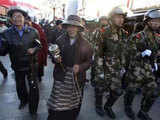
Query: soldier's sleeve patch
point(138, 36)
point(157, 34)
point(125, 32)
point(102, 30)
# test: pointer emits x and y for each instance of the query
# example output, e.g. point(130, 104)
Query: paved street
point(9, 101)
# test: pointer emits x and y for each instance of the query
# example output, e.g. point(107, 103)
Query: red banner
point(9, 3)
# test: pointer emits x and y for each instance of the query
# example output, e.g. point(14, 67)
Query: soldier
point(103, 23)
point(143, 50)
point(111, 58)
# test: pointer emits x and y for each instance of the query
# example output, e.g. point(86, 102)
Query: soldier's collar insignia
point(138, 36)
point(102, 30)
point(126, 32)
point(157, 34)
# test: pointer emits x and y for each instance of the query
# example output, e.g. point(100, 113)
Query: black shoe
point(109, 112)
point(100, 111)
point(129, 112)
point(5, 74)
point(33, 115)
point(138, 91)
point(93, 84)
point(143, 115)
point(40, 79)
point(22, 105)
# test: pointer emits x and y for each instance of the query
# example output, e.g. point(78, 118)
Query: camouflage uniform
point(94, 38)
point(111, 62)
point(140, 73)
point(96, 70)
point(141, 67)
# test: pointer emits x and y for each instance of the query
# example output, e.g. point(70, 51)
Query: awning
point(9, 3)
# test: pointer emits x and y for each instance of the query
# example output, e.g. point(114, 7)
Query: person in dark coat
point(69, 73)
point(2, 29)
point(22, 44)
point(43, 53)
point(56, 32)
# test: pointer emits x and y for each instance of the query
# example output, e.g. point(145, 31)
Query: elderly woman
point(69, 73)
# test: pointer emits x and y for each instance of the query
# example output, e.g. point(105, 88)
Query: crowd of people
point(121, 62)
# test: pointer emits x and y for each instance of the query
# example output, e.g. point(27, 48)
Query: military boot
point(98, 101)
point(129, 112)
point(3, 70)
point(143, 115)
point(109, 111)
point(108, 106)
point(100, 111)
point(146, 105)
point(128, 99)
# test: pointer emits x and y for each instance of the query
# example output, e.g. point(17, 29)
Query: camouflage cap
point(103, 18)
point(120, 10)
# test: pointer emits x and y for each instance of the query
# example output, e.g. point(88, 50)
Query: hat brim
point(10, 13)
point(74, 23)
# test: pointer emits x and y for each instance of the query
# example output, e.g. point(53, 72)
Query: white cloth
point(3, 29)
point(155, 67)
point(122, 72)
point(100, 61)
point(146, 53)
point(72, 41)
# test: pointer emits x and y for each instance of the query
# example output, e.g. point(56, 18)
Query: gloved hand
point(100, 61)
point(155, 67)
point(122, 72)
point(101, 76)
point(147, 52)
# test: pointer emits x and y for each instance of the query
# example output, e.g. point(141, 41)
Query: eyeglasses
point(17, 16)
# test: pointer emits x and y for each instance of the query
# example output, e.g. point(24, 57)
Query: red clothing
point(42, 55)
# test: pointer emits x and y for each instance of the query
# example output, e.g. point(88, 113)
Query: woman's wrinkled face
point(18, 19)
point(118, 20)
point(72, 30)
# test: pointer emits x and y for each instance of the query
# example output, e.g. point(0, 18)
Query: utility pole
point(83, 7)
point(130, 4)
point(63, 10)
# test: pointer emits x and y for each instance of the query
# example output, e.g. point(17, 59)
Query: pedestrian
point(2, 29)
point(43, 52)
point(56, 32)
point(22, 44)
point(69, 73)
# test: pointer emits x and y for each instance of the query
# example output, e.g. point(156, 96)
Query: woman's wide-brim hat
point(75, 21)
point(16, 9)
